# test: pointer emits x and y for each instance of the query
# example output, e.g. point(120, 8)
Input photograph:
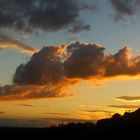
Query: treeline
point(126, 125)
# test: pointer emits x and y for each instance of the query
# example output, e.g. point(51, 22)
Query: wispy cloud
point(98, 111)
point(129, 98)
point(14, 44)
point(56, 113)
point(30, 105)
point(125, 106)
point(29, 92)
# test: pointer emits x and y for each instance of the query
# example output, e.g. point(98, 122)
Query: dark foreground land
point(117, 126)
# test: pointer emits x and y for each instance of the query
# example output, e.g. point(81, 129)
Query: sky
point(65, 61)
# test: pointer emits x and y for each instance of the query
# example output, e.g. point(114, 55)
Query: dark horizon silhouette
point(119, 125)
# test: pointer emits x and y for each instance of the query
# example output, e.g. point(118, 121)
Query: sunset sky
point(68, 60)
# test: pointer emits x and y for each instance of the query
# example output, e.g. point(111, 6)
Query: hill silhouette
point(118, 125)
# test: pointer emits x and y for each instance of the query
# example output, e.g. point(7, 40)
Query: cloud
point(57, 114)
point(129, 98)
point(44, 67)
point(41, 77)
point(14, 44)
point(98, 111)
point(85, 60)
point(25, 105)
point(54, 69)
point(45, 15)
point(30, 105)
point(1, 112)
point(78, 28)
point(88, 60)
point(122, 63)
point(30, 92)
point(125, 106)
point(125, 8)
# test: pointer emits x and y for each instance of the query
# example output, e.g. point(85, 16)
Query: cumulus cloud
point(52, 70)
point(14, 44)
point(41, 77)
point(122, 63)
point(45, 15)
point(125, 8)
point(43, 67)
point(129, 98)
point(125, 106)
point(89, 60)
point(85, 60)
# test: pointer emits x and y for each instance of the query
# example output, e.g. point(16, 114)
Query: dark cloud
point(79, 27)
point(121, 63)
point(85, 60)
point(1, 112)
point(125, 8)
point(88, 60)
point(14, 44)
point(53, 69)
point(47, 15)
point(125, 106)
point(41, 77)
point(129, 98)
point(43, 67)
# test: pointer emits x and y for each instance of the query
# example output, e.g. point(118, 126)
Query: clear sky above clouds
point(97, 81)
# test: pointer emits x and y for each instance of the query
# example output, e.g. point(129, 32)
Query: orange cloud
point(30, 92)
point(52, 70)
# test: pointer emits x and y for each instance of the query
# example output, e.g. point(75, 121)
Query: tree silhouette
point(117, 125)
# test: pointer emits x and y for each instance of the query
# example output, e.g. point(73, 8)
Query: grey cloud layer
point(53, 15)
point(48, 15)
point(125, 8)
